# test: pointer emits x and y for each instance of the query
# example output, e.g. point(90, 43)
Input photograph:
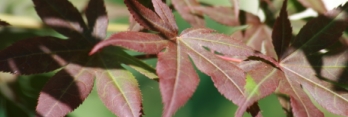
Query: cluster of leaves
point(243, 68)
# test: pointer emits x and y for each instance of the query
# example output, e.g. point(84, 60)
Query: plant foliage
point(244, 67)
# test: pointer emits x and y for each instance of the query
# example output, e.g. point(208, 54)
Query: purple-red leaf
point(97, 18)
point(153, 20)
point(40, 54)
point(314, 58)
point(258, 37)
point(62, 16)
point(223, 15)
point(227, 77)
point(138, 41)
point(65, 91)
point(323, 31)
point(301, 104)
point(282, 32)
point(178, 79)
point(118, 89)
point(262, 80)
point(165, 13)
point(298, 69)
point(184, 7)
point(220, 43)
point(134, 25)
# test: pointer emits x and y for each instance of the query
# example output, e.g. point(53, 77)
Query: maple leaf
point(187, 11)
point(306, 68)
point(258, 36)
point(69, 87)
point(221, 14)
point(177, 77)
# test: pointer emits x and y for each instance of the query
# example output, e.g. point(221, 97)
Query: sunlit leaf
point(262, 80)
point(178, 79)
point(223, 15)
point(118, 89)
point(138, 41)
point(299, 100)
point(307, 67)
point(65, 91)
point(165, 13)
point(97, 18)
point(153, 20)
point(228, 78)
point(186, 11)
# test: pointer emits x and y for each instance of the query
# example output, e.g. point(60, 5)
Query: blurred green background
point(19, 94)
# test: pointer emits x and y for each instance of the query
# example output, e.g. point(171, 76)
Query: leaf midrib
point(216, 66)
point(117, 85)
point(70, 84)
point(312, 82)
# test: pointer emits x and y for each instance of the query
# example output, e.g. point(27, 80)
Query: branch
point(31, 23)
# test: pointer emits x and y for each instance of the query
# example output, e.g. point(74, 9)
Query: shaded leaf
point(322, 32)
point(255, 110)
point(118, 89)
point(132, 62)
point(184, 7)
point(178, 79)
point(308, 68)
point(282, 33)
point(320, 90)
point(150, 20)
point(62, 16)
point(223, 15)
point(139, 41)
point(65, 91)
point(39, 54)
point(97, 18)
